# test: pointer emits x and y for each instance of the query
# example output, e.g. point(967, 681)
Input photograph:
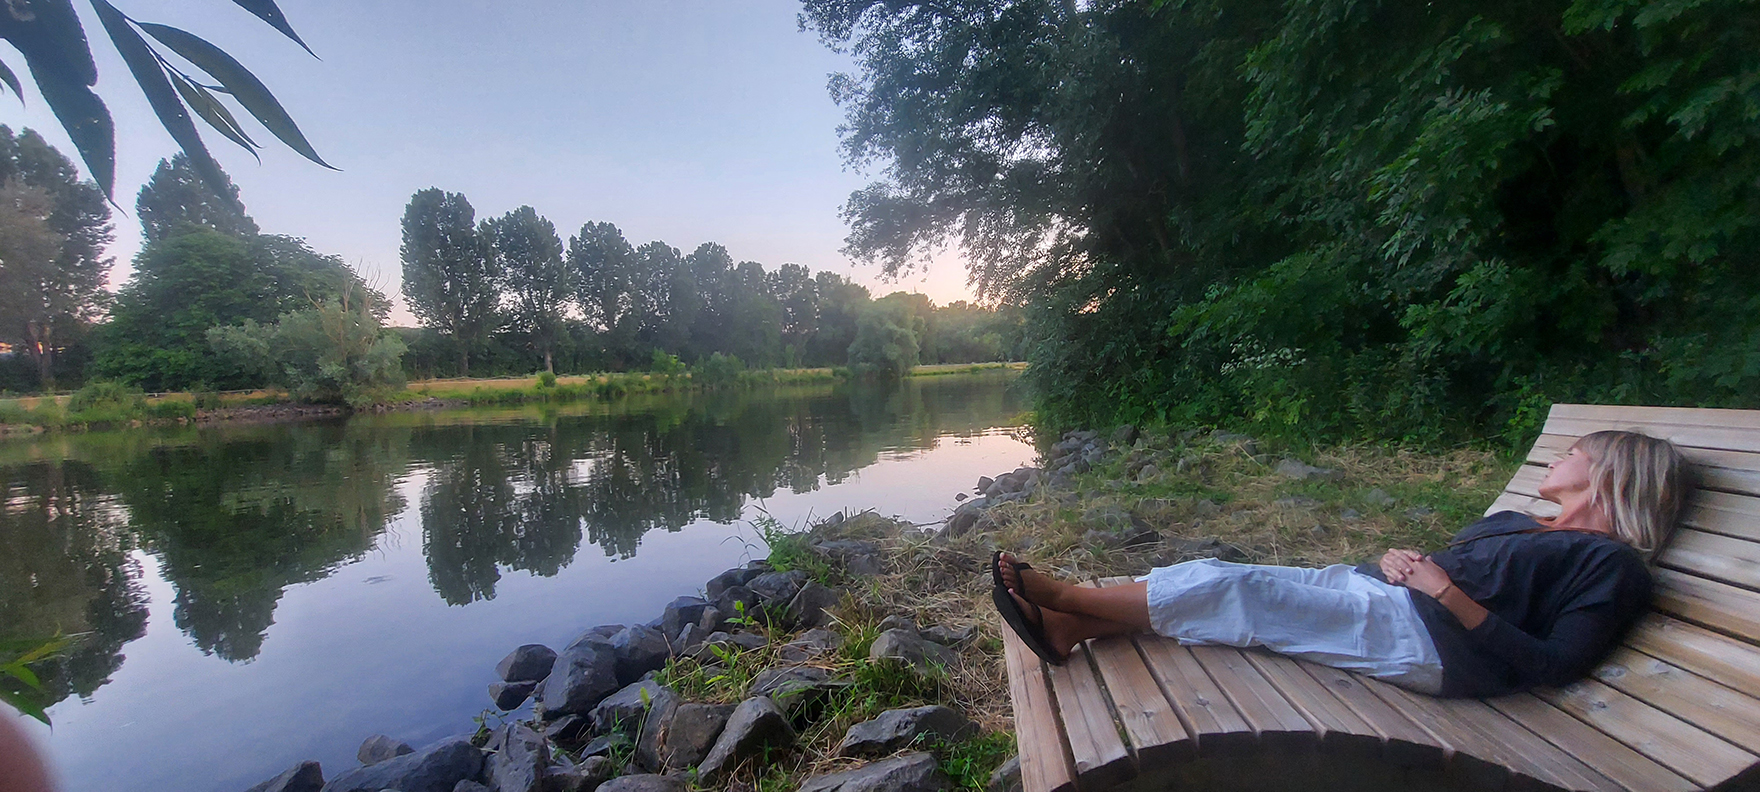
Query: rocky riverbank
point(863, 654)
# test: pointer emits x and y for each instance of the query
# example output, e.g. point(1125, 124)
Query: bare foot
point(1030, 585)
point(1061, 630)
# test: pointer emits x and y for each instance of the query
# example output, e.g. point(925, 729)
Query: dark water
point(254, 596)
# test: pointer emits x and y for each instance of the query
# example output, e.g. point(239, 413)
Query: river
point(247, 597)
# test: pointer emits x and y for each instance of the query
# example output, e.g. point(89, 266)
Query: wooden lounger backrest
point(1682, 689)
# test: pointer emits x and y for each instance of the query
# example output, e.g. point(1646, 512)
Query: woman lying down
point(1514, 602)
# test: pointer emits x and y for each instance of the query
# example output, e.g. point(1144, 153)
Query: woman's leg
point(1127, 604)
point(1063, 631)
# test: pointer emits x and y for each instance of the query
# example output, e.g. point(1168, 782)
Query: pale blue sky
point(680, 121)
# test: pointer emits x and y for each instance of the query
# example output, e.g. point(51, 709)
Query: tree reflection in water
point(236, 515)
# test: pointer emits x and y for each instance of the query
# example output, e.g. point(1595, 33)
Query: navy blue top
point(1559, 602)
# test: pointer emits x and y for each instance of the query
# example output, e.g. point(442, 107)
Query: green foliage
point(547, 379)
point(334, 352)
point(718, 371)
point(792, 549)
point(886, 342)
point(450, 278)
point(177, 197)
point(17, 666)
point(52, 40)
point(1328, 219)
point(970, 763)
point(665, 364)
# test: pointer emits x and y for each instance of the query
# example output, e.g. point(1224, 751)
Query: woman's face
point(1568, 476)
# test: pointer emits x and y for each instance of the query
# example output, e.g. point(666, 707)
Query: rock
point(1148, 473)
point(604, 631)
point(947, 636)
point(984, 483)
point(966, 516)
point(645, 783)
point(519, 765)
point(302, 777)
point(508, 695)
point(755, 724)
point(1185, 549)
point(692, 733)
point(1296, 502)
point(728, 579)
point(811, 606)
point(906, 646)
point(912, 772)
point(584, 674)
point(468, 785)
point(1302, 471)
point(778, 588)
point(606, 744)
point(738, 602)
point(1206, 508)
point(687, 641)
point(1124, 435)
point(1318, 531)
point(528, 663)
point(843, 549)
point(584, 777)
point(1417, 513)
point(1350, 515)
point(1379, 497)
point(1006, 778)
point(651, 737)
point(567, 729)
point(378, 748)
point(795, 689)
point(901, 728)
point(749, 642)
point(680, 612)
point(1099, 540)
point(1106, 517)
point(623, 710)
point(864, 565)
point(809, 645)
point(437, 768)
point(960, 496)
point(898, 622)
point(639, 649)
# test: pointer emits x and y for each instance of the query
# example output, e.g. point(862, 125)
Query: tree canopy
point(1399, 219)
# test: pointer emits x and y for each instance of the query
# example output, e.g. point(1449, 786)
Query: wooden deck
point(1672, 709)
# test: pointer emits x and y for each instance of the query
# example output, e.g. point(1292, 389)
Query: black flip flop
point(996, 568)
point(1033, 635)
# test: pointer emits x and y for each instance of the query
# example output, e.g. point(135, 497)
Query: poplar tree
point(528, 254)
point(449, 280)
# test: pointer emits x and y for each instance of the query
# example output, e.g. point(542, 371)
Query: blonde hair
point(1640, 482)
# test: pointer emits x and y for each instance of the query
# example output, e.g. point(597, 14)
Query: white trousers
point(1332, 616)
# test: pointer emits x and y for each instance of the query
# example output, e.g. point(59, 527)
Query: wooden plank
point(1046, 765)
point(1605, 755)
point(1404, 743)
point(1100, 755)
point(1731, 471)
point(1670, 741)
point(1526, 504)
point(1157, 737)
point(1279, 726)
point(1485, 762)
point(1492, 735)
point(1722, 558)
point(1340, 730)
point(1203, 709)
point(1732, 430)
point(1720, 710)
point(1713, 512)
point(1712, 655)
point(1719, 606)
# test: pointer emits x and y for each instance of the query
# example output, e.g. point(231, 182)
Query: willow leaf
point(11, 80)
point(266, 11)
point(54, 48)
point(150, 76)
point(205, 105)
point(244, 86)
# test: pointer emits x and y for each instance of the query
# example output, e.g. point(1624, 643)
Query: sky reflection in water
point(262, 595)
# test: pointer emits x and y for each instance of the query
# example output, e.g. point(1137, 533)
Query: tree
point(528, 255)
point(333, 352)
point(56, 227)
point(52, 40)
point(449, 279)
point(185, 284)
point(885, 343)
point(177, 196)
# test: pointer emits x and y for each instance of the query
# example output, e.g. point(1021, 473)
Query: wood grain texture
point(1101, 758)
point(1203, 709)
point(1046, 765)
point(1682, 747)
point(1607, 756)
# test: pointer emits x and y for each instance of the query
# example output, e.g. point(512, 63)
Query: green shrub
point(171, 410)
point(547, 379)
point(666, 364)
point(335, 352)
point(718, 371)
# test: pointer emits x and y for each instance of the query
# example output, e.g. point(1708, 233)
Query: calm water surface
point(256, 596)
